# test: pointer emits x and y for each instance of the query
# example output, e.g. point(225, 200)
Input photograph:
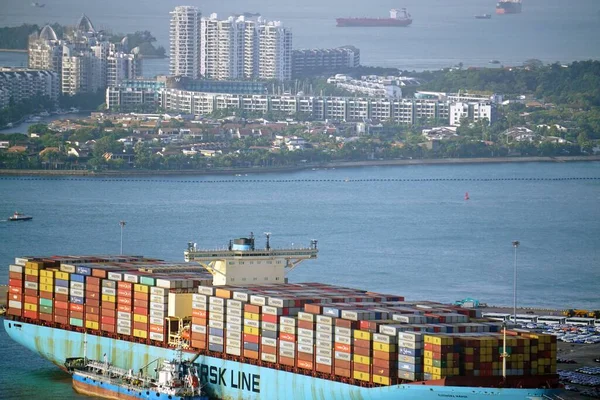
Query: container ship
point(254, 335)
point(397, 18)
point(508, 7)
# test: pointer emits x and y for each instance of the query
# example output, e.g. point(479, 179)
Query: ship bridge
point(241, 263)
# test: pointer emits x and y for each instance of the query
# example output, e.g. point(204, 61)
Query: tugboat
point(17, 216)
point(175, 379)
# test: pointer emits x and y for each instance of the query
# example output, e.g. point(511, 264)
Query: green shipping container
point(76, 322)
point(46, 309)
point(146, 280)
point(508, 350)
point(46, 302)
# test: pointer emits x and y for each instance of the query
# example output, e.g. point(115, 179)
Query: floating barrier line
point(71, 179)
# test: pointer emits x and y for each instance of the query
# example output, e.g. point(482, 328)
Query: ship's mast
point(504, 354)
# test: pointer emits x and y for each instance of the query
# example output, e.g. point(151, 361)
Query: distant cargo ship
point(397, 18)
point(508, 7)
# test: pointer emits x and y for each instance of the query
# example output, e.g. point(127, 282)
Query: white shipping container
point(343, 331)
point(289, 321)
point(200, 298)
point(324, 328)
point(306, 332)
point(61, 290)
point(268, 341)
point(269, 326)
point(196, 305)
point(343, 339)
point(234, 327)
point(234, 303)
point(235, 311)
point(73, 292)
point(272, 358)
point(158, 314)
point(308, 341)
point(258, 300)
point(109, 291)
point(271, 310)
point(123, 315)
point(216, 301)
point(252, 323)
point(157, 336)
point(233, 334)
point(233, 342)
point(115, 276)
point(324, 319)
point(410, 345)
point(234, 319)
point(77, 285)
point(123, 330)
point(304, 316)
point(234, 351)
point(158, 299)
point(381, 338)
point(207, 290)
point(287, 353)
point(217, 317)
point(215, 339)
point(199, 328)
point(287, 329)
point(20, 261)
point(324, 344)
point(15, 304)
point(158, 306)
point(167, 284)
point(131, 278)
point(287, 345)
point(342, 356)
point(216, 308)
point(15, 268)
point(241, 296)
point(325, 352)
point(411, 336)
point(156, 321)
point(124, 322)
point(325, 336)
point(216, 324)
point(324, 360)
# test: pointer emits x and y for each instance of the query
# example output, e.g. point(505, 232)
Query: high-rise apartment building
point(274, 51)
point(185, 42)
point(19, 84)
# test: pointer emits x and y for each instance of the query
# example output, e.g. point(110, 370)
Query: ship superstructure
point(509, 7)
point(266, 338)
point(397, 18)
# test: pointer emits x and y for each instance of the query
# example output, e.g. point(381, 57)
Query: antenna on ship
point(268, 235)
point(313, 244)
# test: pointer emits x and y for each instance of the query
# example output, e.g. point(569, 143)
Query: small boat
point(467, 196)
point(484, 16)
point(494, 62)
point(17, 216)
point(175, 379)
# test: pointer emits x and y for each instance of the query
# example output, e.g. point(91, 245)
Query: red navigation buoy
point(467, 196)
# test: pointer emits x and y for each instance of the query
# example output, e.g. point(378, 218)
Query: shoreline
point(295, 168)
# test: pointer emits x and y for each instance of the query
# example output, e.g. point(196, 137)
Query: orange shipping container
point(59, 319)
point(140, 326)
point(13, 289)
point(290, 362)
point(304, 356)
point(46, 317)
point(92, 317)
point(15, 283)
point(125, 285)
point(341, 372)
point(125, 293)
point(344, 348)
point(140, 296)
point(361, 367)
point(288, 337)
point(108, 312)
point(76, 307)
point(46, 295)
point(89, 289)
point(342, 364)
point(62, 312)
point(124, 300)
point(91, 280)
point(76, 314)
point(304, 364)
point(252, 308)
point(107, 328)
point(324, 369)
point(157, 328)
point(30, 314)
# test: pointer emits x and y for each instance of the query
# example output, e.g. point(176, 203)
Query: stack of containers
point(269, 325)
point(234, 324)
point(76, 298)
point(199, 320)
point(92, 295)
point(440, 357)
point(15, 290)
point(343, 347)
point(141, 297)
point(306, 339)
point(46, 310)
point(109, 302)
point(159, 303)
point(385, 359)
point(216, 323)
point(477, 356)
point(288, 331)
point(252, 330)
point(361, 359)
point(125, 305)
point(324, 344)
point(61, 297)
point(30, 309)
point(410, 352)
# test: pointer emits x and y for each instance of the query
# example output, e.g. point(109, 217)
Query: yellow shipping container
point(436, 376)
point(381, 380)
point(362, 376)
point(45, 280)
point(140, 318)
point(428, 354)
point(385, 347)
point(469, 351)
point(62, 275)
point(428, 361)
point(46, 288)
point(32, 272)
point(46, 273)
point(139, 333)
point(428, 369)
point(250, 330)
point(361, 359)
point(31, 307)
point(34, 264)
point(252, 316)
point(91, 325)
point(364, 335)
point(469, 366)
point(140, 288)
point(108, 298)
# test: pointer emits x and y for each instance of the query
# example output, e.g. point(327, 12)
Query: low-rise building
point(472, 111)
point(307, 61)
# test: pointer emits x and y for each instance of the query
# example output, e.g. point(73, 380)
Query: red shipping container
point(92, 310)
point(108, 304)
point(344, 348)
point(63, 312)
point(14, 311)
point(140, 325)
point(140, 303)
point(93, 302)
point(15, 297)
point(288, 337)
point(290, 362)
point(251, 338)
point(90, 288)
point(91, 317)
point(30, 314)
point(361, 351)
point(124, 293)
point(108, 320)
point(345, 323)
point(200, 313)
point(61, 304)
point(268, 349)
point(107, 328)
point(76, 307)
point(125, 285)
point(124, 308)
point(13, 289)
point(15, 283)
point(108, 312)
point(92, 281)
point(59, 319)
point(61, 297)
point(14, 275)
point(342, 363)
point(384, 371)
point(31, 278)
point(361, 367)
point(251, 308)
point(269, 318)
point(157, 328)
point(76, 314)
point(46, 295)
point(31, 292)
point(306, 325)
point(31, 299)
point(140, 296)
point(324, 369)
point(140, 310)
point(377, 362)
point(362, 343)
point(46, 317)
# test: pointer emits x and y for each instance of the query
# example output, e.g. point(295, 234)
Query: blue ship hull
point(226, 379)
